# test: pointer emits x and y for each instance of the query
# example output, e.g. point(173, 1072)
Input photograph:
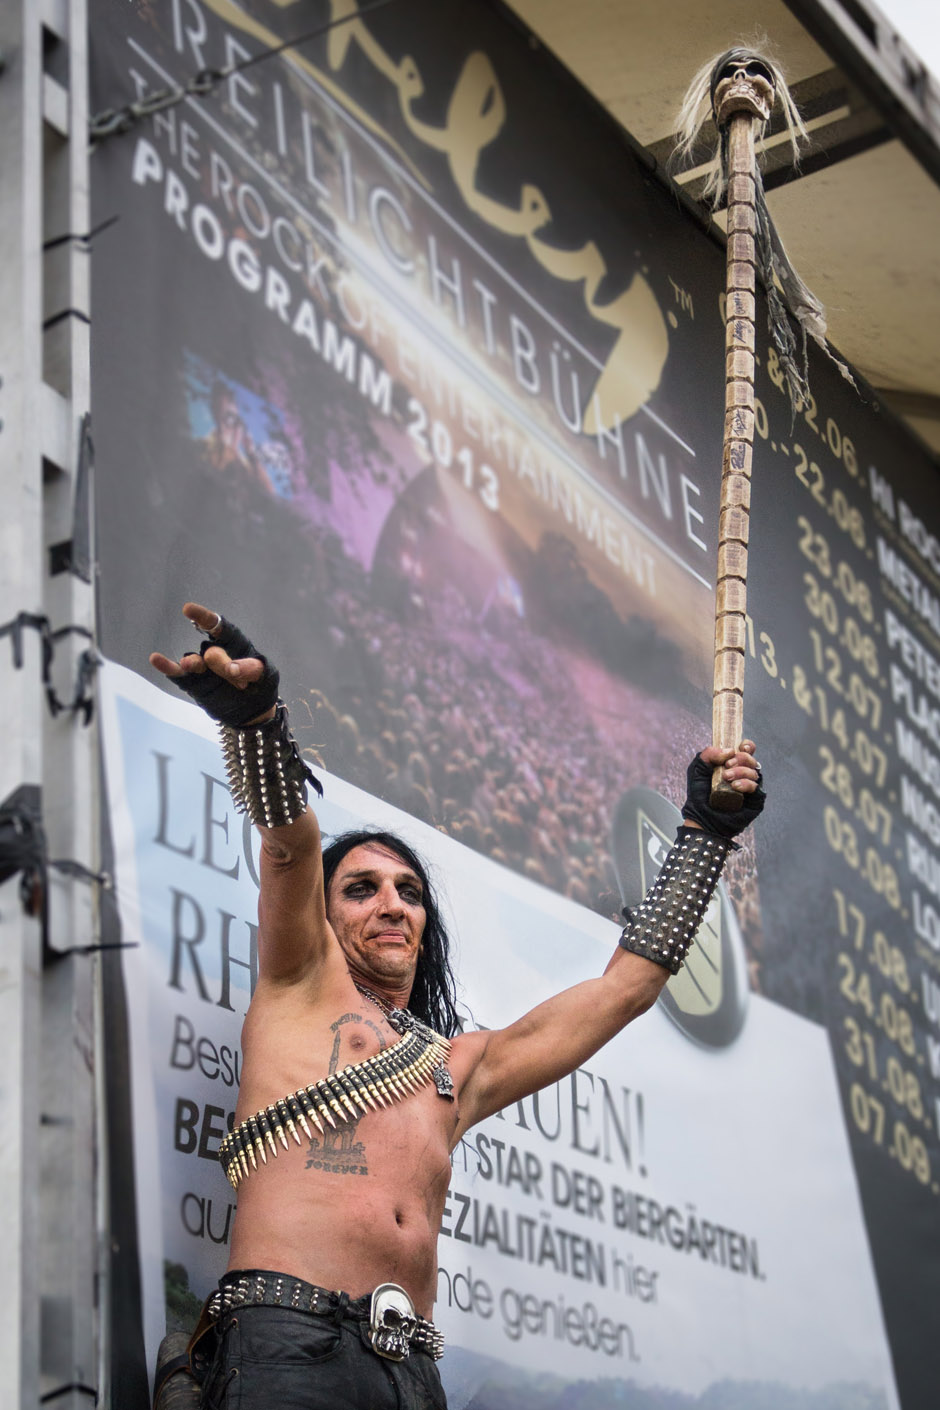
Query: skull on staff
point(742, 82)
point(740, 87)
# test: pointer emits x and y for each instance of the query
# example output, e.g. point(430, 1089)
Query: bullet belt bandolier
point(419, 1057)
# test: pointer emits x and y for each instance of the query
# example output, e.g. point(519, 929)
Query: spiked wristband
point(665, 922)
point(266, 773)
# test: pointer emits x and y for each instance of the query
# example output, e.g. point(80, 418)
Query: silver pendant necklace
point(404, 1021)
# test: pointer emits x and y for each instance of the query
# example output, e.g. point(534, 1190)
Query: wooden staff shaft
point(737, 452)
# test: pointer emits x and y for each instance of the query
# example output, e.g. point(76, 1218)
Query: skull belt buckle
point(392, 1322)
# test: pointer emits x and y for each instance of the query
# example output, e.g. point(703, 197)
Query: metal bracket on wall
point(83, 700)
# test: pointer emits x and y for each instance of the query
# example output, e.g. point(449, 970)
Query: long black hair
point(434, 992)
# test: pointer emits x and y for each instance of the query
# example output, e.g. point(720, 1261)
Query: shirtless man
point(331, 1283)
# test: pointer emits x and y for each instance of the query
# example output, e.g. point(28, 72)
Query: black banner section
point(403, 357)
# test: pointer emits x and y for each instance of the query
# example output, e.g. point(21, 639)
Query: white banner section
point(668, 1215)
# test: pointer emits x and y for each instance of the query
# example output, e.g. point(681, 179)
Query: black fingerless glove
point(230, 704)
point(697, 808)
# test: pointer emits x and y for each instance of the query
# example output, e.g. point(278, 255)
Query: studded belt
point(257, 1289)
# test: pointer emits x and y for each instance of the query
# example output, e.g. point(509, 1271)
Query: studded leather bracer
point(665, 922)
point(266, 773)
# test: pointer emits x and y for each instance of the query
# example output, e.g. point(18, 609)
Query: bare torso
point(360, 1205)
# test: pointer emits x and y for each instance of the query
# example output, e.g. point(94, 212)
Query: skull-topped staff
point(740, 89)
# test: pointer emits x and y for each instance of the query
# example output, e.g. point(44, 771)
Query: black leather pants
point(278, 1358)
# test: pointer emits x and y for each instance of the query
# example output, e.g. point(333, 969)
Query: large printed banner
point(591, 1230)
point(404, 358)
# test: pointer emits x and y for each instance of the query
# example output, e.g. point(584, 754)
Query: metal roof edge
point(867, 46)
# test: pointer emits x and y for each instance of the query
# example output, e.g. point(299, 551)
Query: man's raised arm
point(234, 683)
point(562, 1033)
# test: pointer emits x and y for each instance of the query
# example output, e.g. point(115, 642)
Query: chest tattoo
point(338, 1151)
point(357, 1040)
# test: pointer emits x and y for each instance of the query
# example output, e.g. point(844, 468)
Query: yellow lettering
point(634, 367)
point(475, 116)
